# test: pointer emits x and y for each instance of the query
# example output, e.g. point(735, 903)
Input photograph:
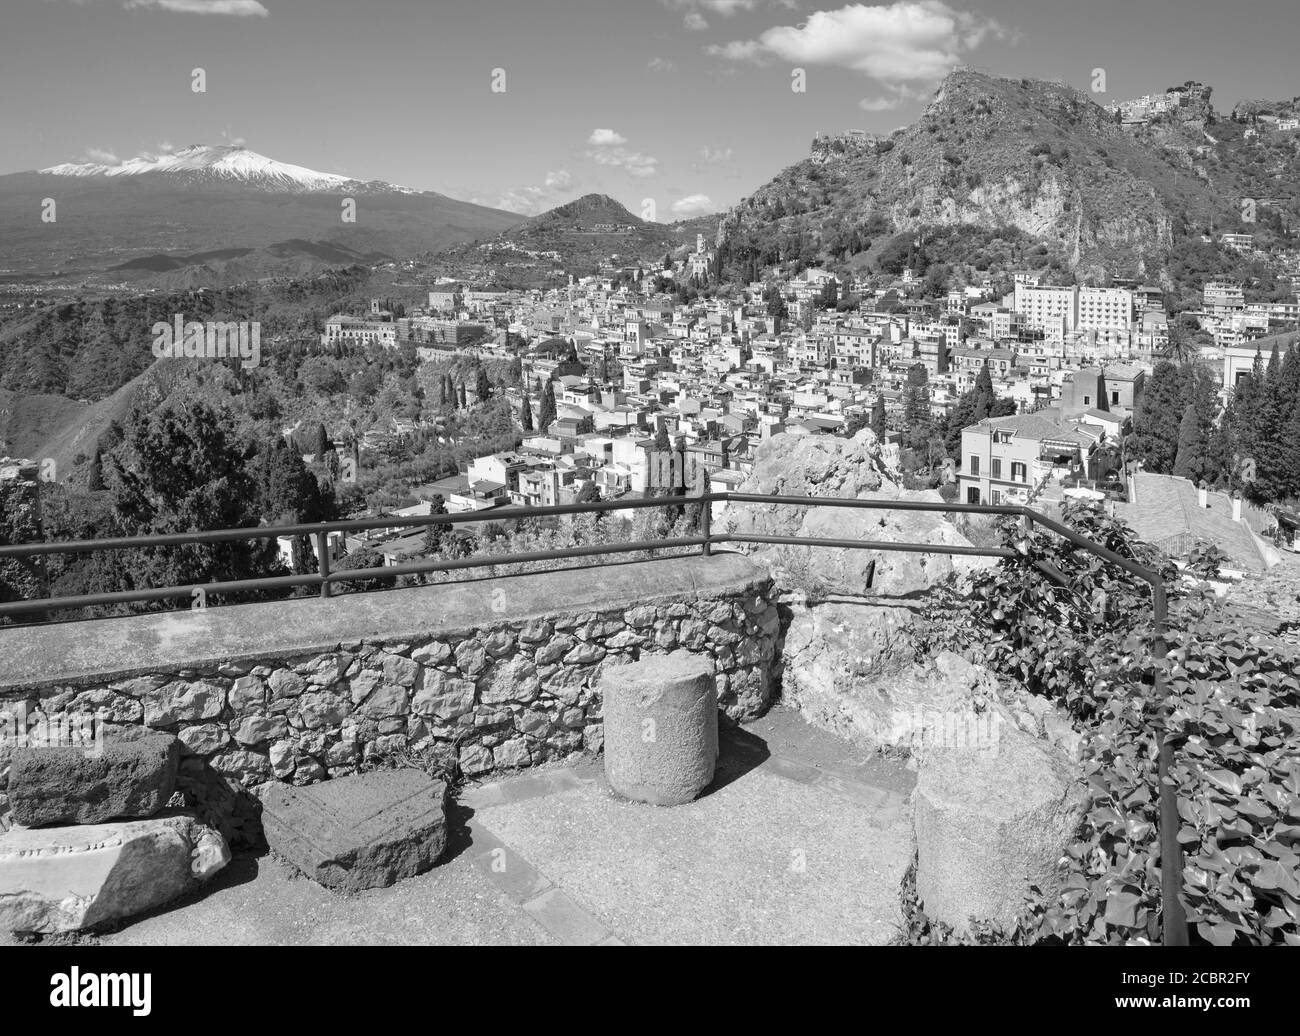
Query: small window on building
point(1114, 397)
point(1087, 400)
point(996, 468)
point(974, 465)
point(997, 497)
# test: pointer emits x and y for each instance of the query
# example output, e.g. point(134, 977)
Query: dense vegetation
point(89, 348)
point(1252, 445)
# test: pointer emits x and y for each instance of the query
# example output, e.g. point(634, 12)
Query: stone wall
point(498, 673)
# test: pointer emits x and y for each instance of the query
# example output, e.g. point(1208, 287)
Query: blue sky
point(687, 102)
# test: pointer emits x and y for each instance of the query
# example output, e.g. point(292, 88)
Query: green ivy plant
point(1229, 703)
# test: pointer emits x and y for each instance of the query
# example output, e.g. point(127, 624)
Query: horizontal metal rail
point(904, 548)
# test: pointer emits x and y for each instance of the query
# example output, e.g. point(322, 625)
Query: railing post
point(323, 560)
point(706, 524)
point(1174, 919)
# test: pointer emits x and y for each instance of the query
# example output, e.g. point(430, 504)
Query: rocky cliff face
point(823, 466)
point(1042, 157)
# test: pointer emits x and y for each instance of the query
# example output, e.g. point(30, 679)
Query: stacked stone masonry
point(499, 697)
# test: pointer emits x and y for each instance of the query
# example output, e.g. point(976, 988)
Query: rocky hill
point(577, 238)
point(1039, 159)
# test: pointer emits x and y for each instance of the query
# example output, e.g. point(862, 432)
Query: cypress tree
point(95, 477)
point(1191, 456)
point(878, 418)
point(548, 407)
point(1157, 417)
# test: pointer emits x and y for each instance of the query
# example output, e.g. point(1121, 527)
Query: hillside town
point(613, 376)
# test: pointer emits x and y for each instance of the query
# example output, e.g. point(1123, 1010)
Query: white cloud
point(738, 50)
point(660, 65)
point(608, 150)
point(693, 205)
point(606, 138)
point(102, 157)
point(693, 10)
point(233, 8)
point(634, 162)
point(166, 147)
point(233, 141)
point(529, 201)
point(905, 43)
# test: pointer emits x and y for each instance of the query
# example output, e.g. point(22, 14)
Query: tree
point(182, 469)
point(463, 399)
point(435, 535)
point(1157, 417)
point(95, 477)
point(878, 424)
point(830, 295)
point(1193, 446)
point(321, 442)
point(548, 407)
point(482, 386)
point(917, 420)
point(526, 414)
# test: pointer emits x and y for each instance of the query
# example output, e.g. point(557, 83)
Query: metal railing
point(1173, 920)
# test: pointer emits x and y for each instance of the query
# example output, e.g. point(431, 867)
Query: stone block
point(134, 776)
point(990, 822)
point(661, 728)
point(365, 831)
point(65, 879)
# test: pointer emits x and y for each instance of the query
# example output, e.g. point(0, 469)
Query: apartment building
point(1221, 299)
point(1003, 459)
point(1044, 308)
point(1104, 309)
point(1059, 311)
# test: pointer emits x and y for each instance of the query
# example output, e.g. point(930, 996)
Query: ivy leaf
point(1122, 909)
point(1219, 933)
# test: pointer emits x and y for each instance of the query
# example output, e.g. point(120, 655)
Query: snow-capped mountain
point(227, 165)
point(217, 214)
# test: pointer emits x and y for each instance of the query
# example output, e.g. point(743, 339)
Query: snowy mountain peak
point(226, 164)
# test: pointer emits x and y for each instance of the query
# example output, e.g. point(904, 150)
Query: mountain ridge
point(1042, 158)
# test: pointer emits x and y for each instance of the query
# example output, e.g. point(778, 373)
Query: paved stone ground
point(802, 838)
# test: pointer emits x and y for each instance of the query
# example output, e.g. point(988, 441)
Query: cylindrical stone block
point(661, 727)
